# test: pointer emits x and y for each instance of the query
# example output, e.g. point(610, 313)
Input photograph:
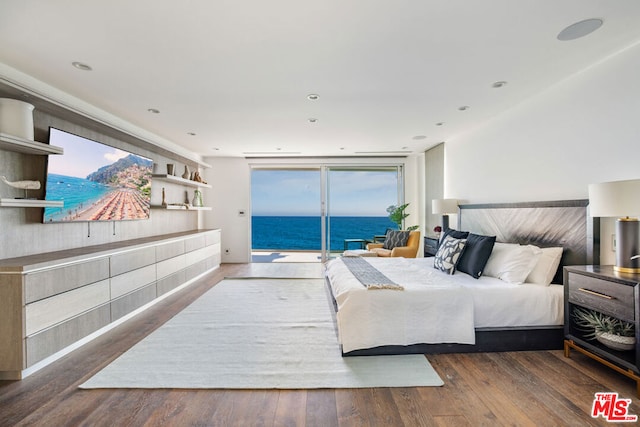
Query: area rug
point(257, 334)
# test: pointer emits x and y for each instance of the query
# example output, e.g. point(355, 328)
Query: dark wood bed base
point(565, 223)
point(487, 340)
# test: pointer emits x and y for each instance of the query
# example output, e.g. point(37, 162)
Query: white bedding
point(434, 307)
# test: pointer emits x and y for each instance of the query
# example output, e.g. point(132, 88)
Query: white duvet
point(433, 307)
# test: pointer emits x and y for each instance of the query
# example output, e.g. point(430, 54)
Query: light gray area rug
point(257, 334)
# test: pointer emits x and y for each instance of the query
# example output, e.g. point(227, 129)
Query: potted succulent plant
point(614, 333)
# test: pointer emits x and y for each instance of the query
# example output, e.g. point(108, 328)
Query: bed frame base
point(487, 340)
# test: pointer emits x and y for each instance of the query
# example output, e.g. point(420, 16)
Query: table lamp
point(620, 199)
point(445, 207)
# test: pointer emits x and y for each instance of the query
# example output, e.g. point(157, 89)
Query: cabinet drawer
point(127, 282)
point(614, 299)
point(46, 283)
point(169, 250)
point(47, 312)
point(132, 260)
point(212, 238)
point(194, 243)
point(430, 246)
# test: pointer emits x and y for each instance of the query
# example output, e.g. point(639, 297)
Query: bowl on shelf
point(616, 342)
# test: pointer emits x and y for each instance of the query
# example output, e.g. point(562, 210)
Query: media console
point(54, 301)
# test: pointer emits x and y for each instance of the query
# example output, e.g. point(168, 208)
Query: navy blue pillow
point(476, 254)
point(454, 233)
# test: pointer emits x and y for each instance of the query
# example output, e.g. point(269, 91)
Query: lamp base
point(445, 223)
point(627, 245)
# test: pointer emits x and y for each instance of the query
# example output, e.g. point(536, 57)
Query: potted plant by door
point(397, 215)
point(613, 333)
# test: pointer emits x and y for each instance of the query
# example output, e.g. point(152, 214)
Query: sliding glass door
point(322, 209)
point(356, 199)
point(285, 211)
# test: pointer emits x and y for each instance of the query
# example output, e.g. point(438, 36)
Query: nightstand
point(614, 294)
point(430, 246)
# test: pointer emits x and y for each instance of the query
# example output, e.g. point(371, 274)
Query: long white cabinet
point(51, 301)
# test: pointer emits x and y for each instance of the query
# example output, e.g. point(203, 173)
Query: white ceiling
point(237, 73)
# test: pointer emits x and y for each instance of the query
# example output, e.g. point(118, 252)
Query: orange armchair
point(408, 251)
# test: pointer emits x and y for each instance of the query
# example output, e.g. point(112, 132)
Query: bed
point(440, 313)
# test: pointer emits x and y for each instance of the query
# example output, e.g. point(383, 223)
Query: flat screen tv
point(95, 181)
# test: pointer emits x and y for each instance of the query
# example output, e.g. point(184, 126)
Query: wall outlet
point(613, 243)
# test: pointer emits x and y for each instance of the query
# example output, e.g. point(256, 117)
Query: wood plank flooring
point(518, 388)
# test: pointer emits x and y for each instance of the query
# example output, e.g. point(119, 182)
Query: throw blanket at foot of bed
point(368, 275)
point(431, 309)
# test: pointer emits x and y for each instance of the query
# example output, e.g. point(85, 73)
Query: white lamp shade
point(615, 199)
point(444, 206)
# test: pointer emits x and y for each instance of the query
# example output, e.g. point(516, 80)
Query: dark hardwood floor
point(519, 388)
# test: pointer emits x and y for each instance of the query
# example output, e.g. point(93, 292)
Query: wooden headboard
point(565, 223)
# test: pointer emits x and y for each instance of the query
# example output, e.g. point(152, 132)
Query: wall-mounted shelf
point(180, 180)
point(181, 208)
point(30, 203)
point(21, 145)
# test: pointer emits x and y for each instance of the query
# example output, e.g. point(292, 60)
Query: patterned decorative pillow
point(448, 254)
point(396, 238)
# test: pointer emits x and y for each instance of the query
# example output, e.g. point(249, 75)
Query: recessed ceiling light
point(215, 149)
point(153, 110)
point(499, 84)
point(313, 96)
point(419, 137)
point(191, 133)
point(312, 120)
point(580, 29)
point(439, 123)
point(463, 108)
point(81, 66)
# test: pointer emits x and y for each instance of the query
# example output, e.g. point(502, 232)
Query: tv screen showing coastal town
point(95, 181)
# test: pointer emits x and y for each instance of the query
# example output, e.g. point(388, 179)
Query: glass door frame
point(326, 194)
point(324, 169)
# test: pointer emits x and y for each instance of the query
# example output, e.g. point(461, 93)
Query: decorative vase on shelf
point(16, 118)
point(170, 169)
point(197, 198)
point(164, 202)
point(186, 173)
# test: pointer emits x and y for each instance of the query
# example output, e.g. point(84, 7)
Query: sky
point(81, 156)
point(297, 193)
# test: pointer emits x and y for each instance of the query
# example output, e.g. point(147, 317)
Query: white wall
point(230, 178)
point(583, 130)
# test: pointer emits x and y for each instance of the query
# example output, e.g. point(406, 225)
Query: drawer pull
point(598, 294)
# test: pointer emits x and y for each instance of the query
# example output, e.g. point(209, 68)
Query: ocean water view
point(77, 193)
point(303, 232)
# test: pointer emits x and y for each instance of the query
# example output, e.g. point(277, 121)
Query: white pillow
point(546, 267)
point(512, 262)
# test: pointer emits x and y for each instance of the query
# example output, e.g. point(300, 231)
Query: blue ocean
point(303, 232)
point(77, 193)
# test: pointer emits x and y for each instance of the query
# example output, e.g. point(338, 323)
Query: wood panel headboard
point(565, 223)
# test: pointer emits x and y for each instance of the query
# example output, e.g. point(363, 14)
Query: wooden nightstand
point(430, 246)
point(615, 294)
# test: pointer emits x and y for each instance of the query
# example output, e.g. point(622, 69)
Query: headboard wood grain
point(564, 223)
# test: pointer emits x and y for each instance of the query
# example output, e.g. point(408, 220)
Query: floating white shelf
point(182, 208)
point(180, 180)
point(21, 145)
point(30, 203)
